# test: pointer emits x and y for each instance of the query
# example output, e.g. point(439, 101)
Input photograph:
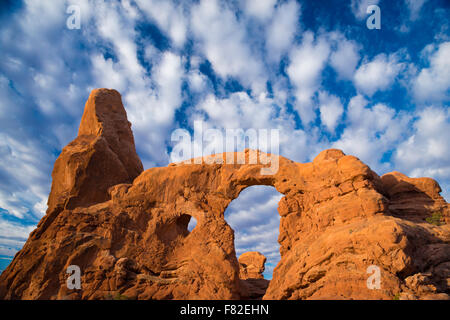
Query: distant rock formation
point(127, 229)
point(251, 265)
point(251, 268)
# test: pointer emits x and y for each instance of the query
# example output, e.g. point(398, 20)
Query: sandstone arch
point(123, 230)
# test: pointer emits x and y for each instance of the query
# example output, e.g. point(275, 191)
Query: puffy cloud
point(307, 62)
point(152, 112)
point(359, 7)
point(281, 30)
point(197, 81)
point(223, 40)
point(331, 110)
point(14, 231)
point(238, 111)
point(168, 77)
point(432, 84)
point(150, 99)
point(238, 115)
point(370, 132)
point(345, 58)
point(116, 27)
point(23, 187)
point(378, 74)
point(107, 73)
point(12, 237)
point(261, 9)
point(170, 17)
point(426, 152)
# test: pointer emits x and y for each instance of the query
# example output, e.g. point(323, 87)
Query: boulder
point(251, 265)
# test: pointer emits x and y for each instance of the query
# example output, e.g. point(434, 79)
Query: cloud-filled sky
point(255, 221)
point(311, 69)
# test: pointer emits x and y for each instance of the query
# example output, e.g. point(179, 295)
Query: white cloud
point(427, 152)
point(261, 9)
point(13, 231)
point(378, 74)
point(331, 110)
point(359, 7)
point(152, 112)
point(168, 77)
point(32, 18)
point(345, 59)
point(7, 251)
point(24, 181)
point(239, 110)
point(171, 18)
point(41, 91)
point(197, 81)
point(45, 89)
point(432, 84)
point(307, 62)
point(281, 30)
point(106, 73)
point(151, 98)
point(12, 237)
point(222, 38)
point(371, 132)
point(114, 25)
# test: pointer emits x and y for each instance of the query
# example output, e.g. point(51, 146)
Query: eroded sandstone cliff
point(127, 229)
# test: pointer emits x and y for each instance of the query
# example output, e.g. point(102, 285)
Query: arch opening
point(182, 224)
point(176, 230)
point(192, 224)
point(254, 218)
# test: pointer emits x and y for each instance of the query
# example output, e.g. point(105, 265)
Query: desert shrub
point(436, 218)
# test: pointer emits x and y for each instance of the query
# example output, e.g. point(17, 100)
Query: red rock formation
point(130, 237)
point(413, 198)
point(251, 268)
point(103, 155)
point(251, 265)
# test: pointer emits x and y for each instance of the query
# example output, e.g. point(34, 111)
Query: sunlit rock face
point(251, 268)
point(127, 229)
point(251, 265)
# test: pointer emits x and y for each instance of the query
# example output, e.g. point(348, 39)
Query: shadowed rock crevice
point(127, 228)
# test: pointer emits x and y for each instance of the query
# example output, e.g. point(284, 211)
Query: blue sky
point(311, 69)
